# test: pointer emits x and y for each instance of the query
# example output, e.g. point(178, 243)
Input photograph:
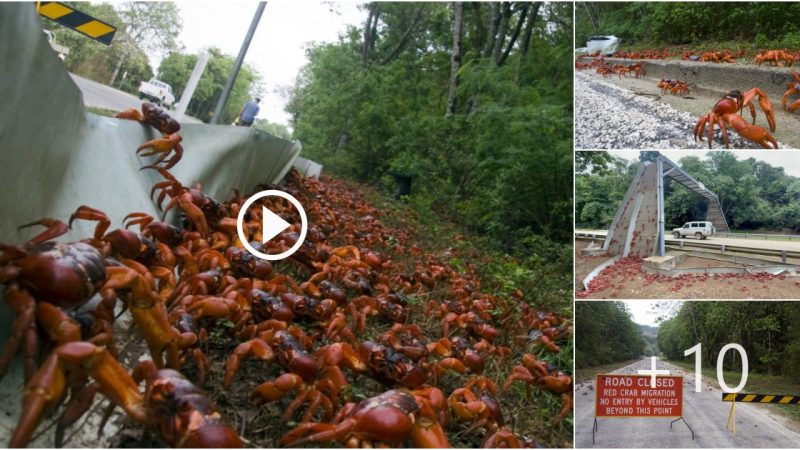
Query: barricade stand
point(755, 398)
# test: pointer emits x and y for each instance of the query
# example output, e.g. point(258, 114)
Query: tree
point(455, 59)
point(91, 59)
point(147, 26)
point(176, 68)
point(368, 120)
point(607, 334)
point(754, 195)
point(275, 129)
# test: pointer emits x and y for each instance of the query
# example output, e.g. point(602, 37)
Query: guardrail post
point(681, 245)
point(723, 248)
point(783, 256)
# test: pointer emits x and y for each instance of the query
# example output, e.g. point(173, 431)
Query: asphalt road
point(756, 427)
point(754, 243)
point(102, 96)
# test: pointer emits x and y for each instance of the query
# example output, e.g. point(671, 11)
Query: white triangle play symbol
point(272, 225)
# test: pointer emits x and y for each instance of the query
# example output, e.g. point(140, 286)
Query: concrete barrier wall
point(56, 156)
point(719, 76)
point(307, 167)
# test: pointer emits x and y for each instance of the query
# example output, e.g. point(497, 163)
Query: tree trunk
point(501, 32)
point(369, 31)
point(403, 39)
point(487, 49)
point(479, 31)
point(117, 68)
point(455, 61)
point(522, 15)
point(526, 35)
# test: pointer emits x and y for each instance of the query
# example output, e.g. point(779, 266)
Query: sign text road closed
point(633, 396)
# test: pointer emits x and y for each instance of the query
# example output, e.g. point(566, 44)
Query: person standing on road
point(249, 112)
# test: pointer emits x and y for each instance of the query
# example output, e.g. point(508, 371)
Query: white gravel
point(610, 117)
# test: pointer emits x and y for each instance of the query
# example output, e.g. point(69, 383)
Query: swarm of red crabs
point(346, 343)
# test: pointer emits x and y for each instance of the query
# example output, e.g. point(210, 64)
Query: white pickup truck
point(158, 92)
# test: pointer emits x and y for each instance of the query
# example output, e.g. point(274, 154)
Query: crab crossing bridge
point(638, 226)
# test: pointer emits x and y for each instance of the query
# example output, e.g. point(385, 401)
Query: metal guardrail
point(766, 237)
point(722, 248)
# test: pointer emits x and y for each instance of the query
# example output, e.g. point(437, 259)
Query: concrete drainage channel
point(708, 83)
point(673, 265)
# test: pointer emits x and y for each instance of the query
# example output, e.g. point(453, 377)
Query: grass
point(588, 373)
point(101, 111)
point(757, 383)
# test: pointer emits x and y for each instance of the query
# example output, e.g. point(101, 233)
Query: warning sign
point(634, 396)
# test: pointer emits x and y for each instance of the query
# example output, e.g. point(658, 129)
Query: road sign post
point(635, 396)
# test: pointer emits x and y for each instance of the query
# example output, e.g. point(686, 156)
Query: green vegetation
point(733, 25)
point(101, 111)
point(141, 27)
point(153, 27)
point(544, 277)
point(757, 383)
point(494, 157)
point(768, 331)
point(755, 196)
point(605, 334)
point(650, 335)
point(176, 68)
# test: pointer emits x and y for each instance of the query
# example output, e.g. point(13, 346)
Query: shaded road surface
point(102, 96)
point(754, 243)
point(756, 427)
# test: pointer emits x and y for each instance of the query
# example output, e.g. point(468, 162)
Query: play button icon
point(271, 224)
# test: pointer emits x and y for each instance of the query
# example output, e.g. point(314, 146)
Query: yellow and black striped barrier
point(78, 21)
point(755, 398)
point(762, 398)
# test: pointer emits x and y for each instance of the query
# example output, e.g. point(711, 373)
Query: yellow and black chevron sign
point(762, 398)
point(78, 21)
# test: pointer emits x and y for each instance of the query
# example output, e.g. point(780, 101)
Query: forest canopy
point(768, 331)
point(606, 334)
point(696, 23)
point(754, 194)
point(473, 101)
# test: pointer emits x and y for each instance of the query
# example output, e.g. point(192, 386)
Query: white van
point(606, 45)
point(700, 230)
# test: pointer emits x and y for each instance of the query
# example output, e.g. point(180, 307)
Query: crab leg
point(47, 386)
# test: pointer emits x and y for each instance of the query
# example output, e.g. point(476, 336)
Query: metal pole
point(660, 184)
point(191, 85)
point(238, 64)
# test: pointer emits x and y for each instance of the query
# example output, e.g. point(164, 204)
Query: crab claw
point(164, 145)
point(130, 114)
point(754, 133)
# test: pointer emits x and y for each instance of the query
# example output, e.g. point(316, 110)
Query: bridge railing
point(722, 248)
point(763, 236)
